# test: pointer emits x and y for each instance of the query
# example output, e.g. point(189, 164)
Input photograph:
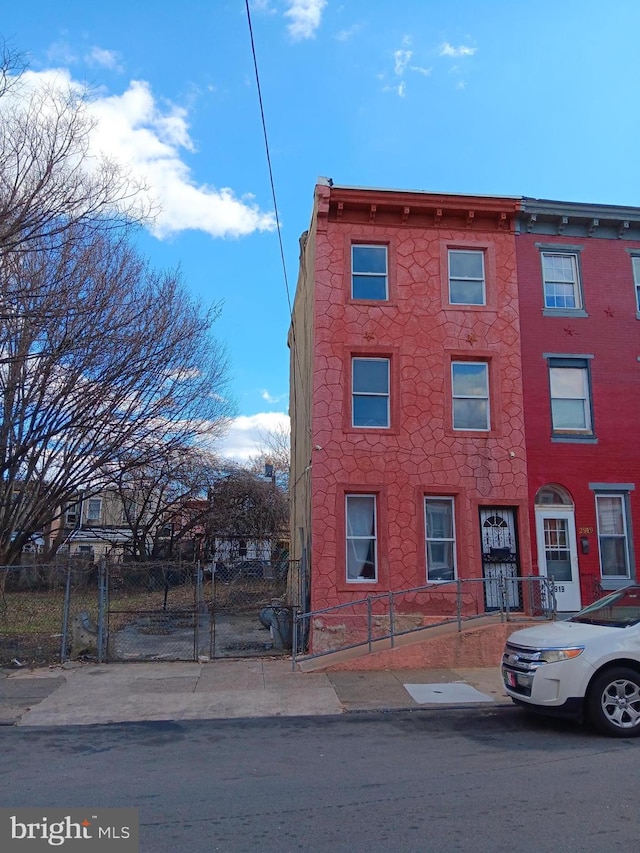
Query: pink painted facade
point(419, 454)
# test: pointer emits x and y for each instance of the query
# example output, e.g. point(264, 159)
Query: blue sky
point(470, 96)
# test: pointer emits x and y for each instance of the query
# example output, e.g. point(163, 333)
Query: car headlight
point(555, 655)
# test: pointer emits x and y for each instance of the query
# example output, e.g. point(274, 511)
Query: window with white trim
point(466, 277)
point(369, 278)
point(71, 514)
point(440, 539)
point(635, 261)
point(94, 509)
point(570, 396)
point(561, 280)
point(470, 395)
point(370, 392)
point(361, 538)
point(612, 536)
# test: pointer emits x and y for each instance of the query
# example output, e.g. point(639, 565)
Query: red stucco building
point(463, 391)
point(406, 394)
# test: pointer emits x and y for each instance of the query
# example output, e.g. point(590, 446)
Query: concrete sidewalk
point(90, 694)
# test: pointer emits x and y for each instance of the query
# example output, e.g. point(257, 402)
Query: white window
point(362, 560)
point(635, 260)
point(561, 281)
point(612, 536)
point(370, 392)
point(570, 397)
point(71, 514)
point(440, 539)
point(470, 385)
point(94, 509)
point(369, 272)
point(466, 277)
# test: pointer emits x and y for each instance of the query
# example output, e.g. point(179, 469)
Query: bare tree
point(48, 182)
point(274, 454)
point(169, 493)
point(103, 362)
point(244, 506)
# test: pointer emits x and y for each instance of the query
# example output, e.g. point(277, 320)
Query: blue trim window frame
point(470, 395)
point(467, 284)
point(440, 538)
point(562, 281)
point(570, 397)
point(361, 538)
point(369, 272)
point(370, 392)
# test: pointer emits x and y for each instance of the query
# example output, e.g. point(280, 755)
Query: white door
point(558, 554)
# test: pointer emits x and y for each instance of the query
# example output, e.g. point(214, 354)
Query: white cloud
point(401, 60)
point(348, 33)
point(305, 17)
point(420, 70)
point(243, 439)
point(103, 58)
point(149, 139)
point(447, 49)
point(269, 398)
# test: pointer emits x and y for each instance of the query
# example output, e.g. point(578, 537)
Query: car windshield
point(618, 609)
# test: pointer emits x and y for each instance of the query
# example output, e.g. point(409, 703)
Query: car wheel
point(613, 703)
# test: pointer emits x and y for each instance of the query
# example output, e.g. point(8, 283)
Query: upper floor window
point(561, 280)
point(470, 391)
point(369, 278)
point(370, 392)
point(570, 395)
point(466, 277)
point(441, 540)
point(362, 560)
point(71, 513)
point(94, 509)
point(635, 260)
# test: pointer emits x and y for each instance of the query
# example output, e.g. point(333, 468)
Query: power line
point(275, 208)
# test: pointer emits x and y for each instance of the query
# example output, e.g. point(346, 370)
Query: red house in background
point(579, 285)
point(408, 442)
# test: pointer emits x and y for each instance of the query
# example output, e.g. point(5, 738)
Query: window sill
point(575, 438)
point(564, 312)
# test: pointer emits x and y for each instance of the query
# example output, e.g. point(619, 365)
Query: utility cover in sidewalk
point(448, 693)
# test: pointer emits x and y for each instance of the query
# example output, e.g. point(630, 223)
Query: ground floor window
point(362, 560)
point(440, 539)
point(612, 536)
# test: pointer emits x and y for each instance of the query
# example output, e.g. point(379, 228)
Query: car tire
point(613, 702)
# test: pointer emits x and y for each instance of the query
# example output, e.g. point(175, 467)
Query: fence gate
point(249, 616)
point(158, 611)
point(500, 556)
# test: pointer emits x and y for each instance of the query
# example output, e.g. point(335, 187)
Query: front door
point(499, 556)
point(558, 554)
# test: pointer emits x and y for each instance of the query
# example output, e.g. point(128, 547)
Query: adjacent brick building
point(579, 285)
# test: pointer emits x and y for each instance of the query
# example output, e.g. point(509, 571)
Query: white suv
point(585, 667)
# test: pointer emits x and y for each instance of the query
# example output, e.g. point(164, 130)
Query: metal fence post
point(369, 623)
point(294, 639)
point(65, 615)
point(102, 585)
point(459, 603)
point(392, 620)
point(196, 613)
